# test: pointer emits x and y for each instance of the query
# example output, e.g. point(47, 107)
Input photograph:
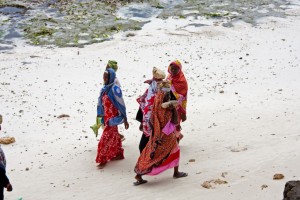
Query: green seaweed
point(43, 32)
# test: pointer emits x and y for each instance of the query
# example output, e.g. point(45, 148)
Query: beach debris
point(210, 184)
point(7, 140)
point(263, 186)
point(224, 174)
point(291, 190)
point(238, 149)
point(278, 176)
point(206, 184)
point(130, 34)
point(192, 160)
point(63, 115)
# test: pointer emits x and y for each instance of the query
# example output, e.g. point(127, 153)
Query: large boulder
point(292, 190)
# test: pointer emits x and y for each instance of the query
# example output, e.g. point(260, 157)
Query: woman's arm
point(174, 118)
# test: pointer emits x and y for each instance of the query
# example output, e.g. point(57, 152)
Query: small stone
point(62, 116)
point(221, 91)
point(219, 181)
point(27, 169)
point(278, 176)
point(130, 35)
point(263, 186)
point(224, 174)
point(206, 184)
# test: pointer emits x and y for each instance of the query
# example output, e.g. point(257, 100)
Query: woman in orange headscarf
point(179, 88)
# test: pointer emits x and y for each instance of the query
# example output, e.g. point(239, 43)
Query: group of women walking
point(161, 110)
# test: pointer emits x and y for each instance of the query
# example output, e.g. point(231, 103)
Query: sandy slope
point(258, 114)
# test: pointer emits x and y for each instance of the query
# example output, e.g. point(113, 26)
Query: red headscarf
point(178, 81)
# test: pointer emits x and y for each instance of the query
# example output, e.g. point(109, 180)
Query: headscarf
point(114, 93)
point(113, 64)
point(158, 73)
point(178, 81)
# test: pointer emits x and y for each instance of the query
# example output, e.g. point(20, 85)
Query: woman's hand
point(9, 187)
point(126, 124)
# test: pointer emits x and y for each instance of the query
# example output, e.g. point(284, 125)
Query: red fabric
point(160, 146)
point(110, 145)
point(178, 81)
point(171, 158)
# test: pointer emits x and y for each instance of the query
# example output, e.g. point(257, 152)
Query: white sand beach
point(243, 118)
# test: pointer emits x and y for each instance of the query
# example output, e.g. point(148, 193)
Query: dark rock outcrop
point(292, 190)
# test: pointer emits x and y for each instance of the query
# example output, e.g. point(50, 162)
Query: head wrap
point(158, 73)
point(111, 79)
point(113, 64)
point(178, 80)
point(114, 93)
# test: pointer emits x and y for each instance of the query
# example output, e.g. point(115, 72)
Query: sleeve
point(100, 111)
point(3, 178)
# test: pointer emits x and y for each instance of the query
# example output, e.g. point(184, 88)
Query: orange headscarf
point(178, 81)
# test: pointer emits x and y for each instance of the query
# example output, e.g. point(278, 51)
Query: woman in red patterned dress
point(111, 108)
point(162, 152)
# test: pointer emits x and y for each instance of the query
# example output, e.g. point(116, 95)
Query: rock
point(7, 140)
point(292, 190)
point(130, 35)
point(219, 181)
point(27, 169)
point(263, 186)
point(238, 149)
point(62, 116)
point(206, 184)
point(224, 174)
point(221, 91)
point(278, 176)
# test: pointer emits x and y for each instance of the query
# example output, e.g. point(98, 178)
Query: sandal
point(101, 165)
point(180, 175)
point(139, 182)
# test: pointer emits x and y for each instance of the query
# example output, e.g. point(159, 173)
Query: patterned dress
point(110, 145)
point(162, 151)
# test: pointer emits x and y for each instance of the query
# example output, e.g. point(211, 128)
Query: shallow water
point(81, 22)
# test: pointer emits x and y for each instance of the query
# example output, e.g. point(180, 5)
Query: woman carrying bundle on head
point(162, 151)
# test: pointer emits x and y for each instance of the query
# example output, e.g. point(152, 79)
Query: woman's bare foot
point(101, 165)
point(122, 137)
point(119, 157)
